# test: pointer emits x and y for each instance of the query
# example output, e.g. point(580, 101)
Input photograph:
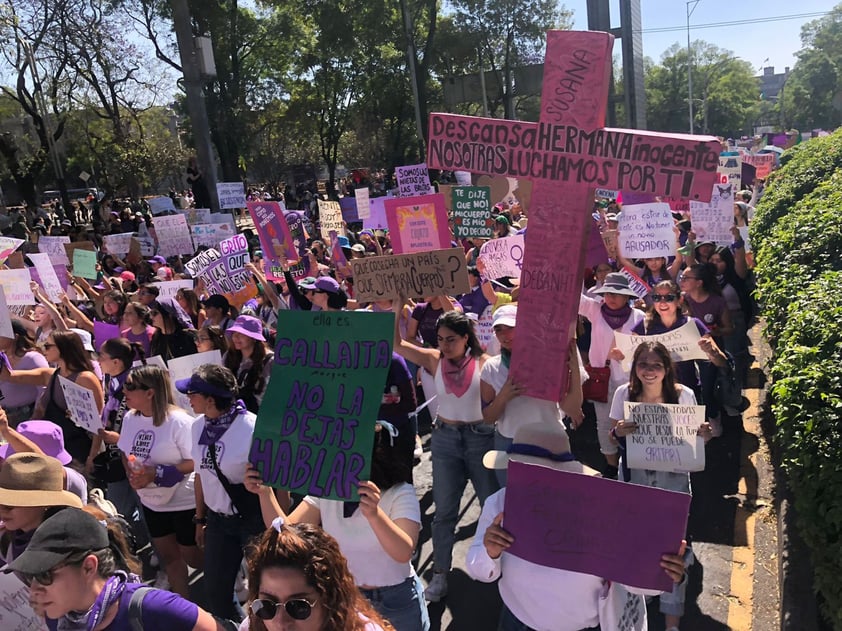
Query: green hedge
point(798, 236)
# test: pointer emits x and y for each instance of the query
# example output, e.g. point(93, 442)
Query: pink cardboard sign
point(581, 523)
point(418, 224)
point(273, 231)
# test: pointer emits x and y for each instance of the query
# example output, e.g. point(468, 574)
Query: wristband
point(200, 521)
point(167, 475)
point(739, 244)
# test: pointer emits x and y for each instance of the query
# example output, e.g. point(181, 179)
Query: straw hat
point(545, 444)
point(30, 479)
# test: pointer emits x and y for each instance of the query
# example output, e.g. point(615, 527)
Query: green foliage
point(799, 271)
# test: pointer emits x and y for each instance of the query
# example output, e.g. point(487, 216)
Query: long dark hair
point(461, 324)
point(663, 272)
point(652, 314)
point(670, 390)
point(118, 297)
point(252, 383)
point(706, 273)
point(72, 352)
point(123, 351)
point(23, 343)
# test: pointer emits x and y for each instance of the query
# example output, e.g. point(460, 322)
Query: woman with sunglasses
point(211, 338)
point(299, 579)
point(65, 350)
point(78, 572)
point(653, 380)
point(20, 349)
point(139, 330)
point(156, 441)
point(172, 337)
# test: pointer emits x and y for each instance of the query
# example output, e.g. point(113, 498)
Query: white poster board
point(502, 257)
point(15, 612)
point(168, 289)
point(183, 368)
point(173, 235)
point(81, 406)
point(49, 280)
point(713, 221)
point(682, 343)
point(54, 247)
point(15, 283)
point(646, 231)
point(363, 203)
point(666, 437)
point(231, 195)
point(117, 244)
point(160, 205)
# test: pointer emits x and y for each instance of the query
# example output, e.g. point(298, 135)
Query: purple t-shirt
point(474, 301)
point(427, 318)
point(161, 610)
point(144, 339)
point(709, 312)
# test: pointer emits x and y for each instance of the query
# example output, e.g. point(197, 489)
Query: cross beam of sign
point(567, 154)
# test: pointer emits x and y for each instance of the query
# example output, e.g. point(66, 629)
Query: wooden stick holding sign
point(411, 275)
point(567, 154)
point(666, 437)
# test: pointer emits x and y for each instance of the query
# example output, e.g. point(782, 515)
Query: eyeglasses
point(296, 608)
point(653, 367)
point(664, 297)
point(131, 386)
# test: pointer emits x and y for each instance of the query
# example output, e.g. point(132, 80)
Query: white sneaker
point(437, 588)
point(715, 426)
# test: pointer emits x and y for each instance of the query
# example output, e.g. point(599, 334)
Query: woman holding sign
point(653, 380)
point(460, 435)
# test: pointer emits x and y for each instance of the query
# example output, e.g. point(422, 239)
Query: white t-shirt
point(168, 444)
point(232, 452)
point(367, 560)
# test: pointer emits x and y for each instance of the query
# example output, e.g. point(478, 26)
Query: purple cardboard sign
point(592, 525)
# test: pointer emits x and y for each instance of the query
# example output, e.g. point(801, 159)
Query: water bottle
point(135, 464)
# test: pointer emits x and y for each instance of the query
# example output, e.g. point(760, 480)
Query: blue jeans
point(403, 604)
point(225, 539)
point(457, 452)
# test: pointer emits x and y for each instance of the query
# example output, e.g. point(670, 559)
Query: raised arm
point(427, 358)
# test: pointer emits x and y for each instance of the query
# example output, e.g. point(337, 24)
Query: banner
point(231, 195)
point(54, 247)
point(81, 406)
point(15, 612)
point(160, 205)
point(621, 537)
point(471, 206)
point(168, 289)
point(413, 180)
point(117, 244)
point(363, 206)
point(7, 246)
point(84, 264)
point(411, 275)
point(682, 343)
point(502, 257)
point(666, 438)
point(184, 367)
point(201, 261)
point(315, 429)
point(330, 219)
point(235, 282)
point(646, 231)
point(713, 221)
point(210, 234)
point(47, 276)
point(173, 235)
point(15, 283)
point(417, 224)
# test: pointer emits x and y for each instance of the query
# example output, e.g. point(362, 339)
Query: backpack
point(136, 611)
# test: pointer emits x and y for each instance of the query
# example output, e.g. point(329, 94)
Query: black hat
point(219, 301)
point(69, 532)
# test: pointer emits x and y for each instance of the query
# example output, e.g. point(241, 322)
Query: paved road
point(733, 584)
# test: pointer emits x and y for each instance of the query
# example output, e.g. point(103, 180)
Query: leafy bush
point(799, 277)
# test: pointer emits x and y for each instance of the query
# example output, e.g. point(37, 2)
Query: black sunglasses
point(47, 577)
point(664, 297)
point(131, 386)
point(296, 608)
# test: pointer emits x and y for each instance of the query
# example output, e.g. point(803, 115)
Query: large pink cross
point(567, 154)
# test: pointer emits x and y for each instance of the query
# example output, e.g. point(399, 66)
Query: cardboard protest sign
point(639, 286)
point(502, 257)
point(160, 205)
point(54, 247)
point(117, 244)
point(315, 428)
point(646, 231)
point(184, 367)
point(231, 195)
point(229, 275)
point(541, 503)
point(46, 276)
point(611, 242)
point(763, 163)
point(411, 275)
point(666, 438)
point(5, 320)
point(713, 221)
point(81, 406)
point(377, 214)
point(198, 215)
point(201, 261)
point(330, 218)
point(273, 231)
point(173, 235)
point(7, 246)
point(471, 206)
point(15, 283)
point(731, 169)
point(168, 289)
point(103, 331)
point(15, 612)
point(417, 224)
point(682, 343)
point(363, 206)
point(413, 180)
point(84, 264)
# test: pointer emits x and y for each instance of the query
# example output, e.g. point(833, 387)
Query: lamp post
point(690, 10)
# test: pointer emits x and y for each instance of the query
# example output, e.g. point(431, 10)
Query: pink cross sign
point(567, 154)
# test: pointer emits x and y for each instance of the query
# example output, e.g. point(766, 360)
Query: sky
point(753, 41)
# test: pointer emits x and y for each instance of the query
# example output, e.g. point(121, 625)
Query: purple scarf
point(88, 620)
point(215, 427)
point(615, 318)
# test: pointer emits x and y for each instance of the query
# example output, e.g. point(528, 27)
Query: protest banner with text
point(712, 221)
point(763, 163)
point(15, 612)
point(731, 170)
point(274, 234)
point(117, 244)
point(639, 286)
point(330, 218)
point(417, 224)
point(413, 180)
point(315, 429)
point(499, 258)
point(471, 209)
point(646, 231)
point(411, 275)
point(46, 275)
point(168, 289)
point(231, 195)
point(15, 283)
point(81, 406)
point(160, 205)
point(363, 205)
point(666, 437)
point(173, 235)
point(54, 247)
point(682, 343)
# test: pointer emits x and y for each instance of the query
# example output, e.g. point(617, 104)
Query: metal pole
point(195, 97)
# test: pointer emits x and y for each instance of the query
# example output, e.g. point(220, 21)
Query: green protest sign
point(471, 209)
point(315, 428)
point(84, 264)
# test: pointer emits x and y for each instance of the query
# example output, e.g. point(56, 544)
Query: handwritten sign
point(15, 283)
point(682, 343)
point(606, 193)
point(117, 244)
point(81, 406)
point(542, 502)
point(411, 275)
point(413, 180)
point(639, 286)
point(201, 261)
point(54, 247)
point(231, 195)
point(46, 276)
point(646, 231)
point(229, 276)
point(330, 218)
point(173, 235)
point(160, 205)
point(611, 242)
point(15, 612)
point(471, 207)
point(666, 438)
point(731, 169)
point(713, 221)
point(764, 163)
point(417, 224)
point(210, 234)
point(184, 367)
point(315, 429)
point(363, 205)
point(502, 257)
point(198, 215)
point(7, 247)
point(168, 289)
point(84, 263)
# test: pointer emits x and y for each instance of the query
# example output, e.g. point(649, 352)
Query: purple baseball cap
point(327, 284)
point(47, 435)
point(157, 259)
point(249, 326)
